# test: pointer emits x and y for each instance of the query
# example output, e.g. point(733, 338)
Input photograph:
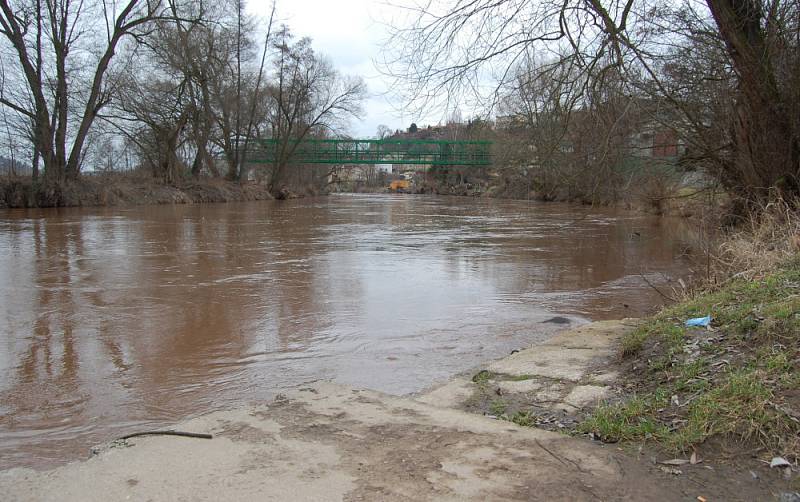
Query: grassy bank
point(735, 384)
point(118, 189)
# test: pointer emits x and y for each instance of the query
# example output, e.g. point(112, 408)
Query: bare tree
point(194, 55)
point(309, 98)
point(157, 113)
point(761, 41)
point(533, 123)
point(161, 103)
point(212, 60)
point(255, 99)
point(51, 40)
point(383, 131)
point(446, 50)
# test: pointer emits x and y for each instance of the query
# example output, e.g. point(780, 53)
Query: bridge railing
point(392, 151)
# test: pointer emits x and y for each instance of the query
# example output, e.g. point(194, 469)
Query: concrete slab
point(584, 395)
point(519, 386)
point(449, 395)
point(569, 355)
point(547, 361)
point(329, 442)
point(607, 377)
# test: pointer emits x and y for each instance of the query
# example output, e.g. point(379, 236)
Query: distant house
point(656, 141)
point(506, 122)
point(640, 133)
point(666, 143)
point(358, 176)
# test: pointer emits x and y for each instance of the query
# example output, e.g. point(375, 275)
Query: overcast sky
point(350, 33)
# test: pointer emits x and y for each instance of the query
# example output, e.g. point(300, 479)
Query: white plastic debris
point(779, 462)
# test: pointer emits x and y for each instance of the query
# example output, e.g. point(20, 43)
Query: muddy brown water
point(120, 320)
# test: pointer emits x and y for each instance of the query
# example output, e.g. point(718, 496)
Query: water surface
point(117, 320)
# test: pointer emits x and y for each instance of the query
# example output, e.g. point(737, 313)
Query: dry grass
point(122, 189)
point(738, 381)
point(764, 241)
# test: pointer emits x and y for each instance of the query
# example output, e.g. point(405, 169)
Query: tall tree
point(447, 49)
point(63, 60)
point(308, 97)
point(761, 41)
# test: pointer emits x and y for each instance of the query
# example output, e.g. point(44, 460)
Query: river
point(116, 320)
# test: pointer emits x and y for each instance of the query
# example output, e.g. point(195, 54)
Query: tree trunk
point(35, 165)
point(766, 146)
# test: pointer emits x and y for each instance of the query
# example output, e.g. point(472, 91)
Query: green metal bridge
point(376, 151)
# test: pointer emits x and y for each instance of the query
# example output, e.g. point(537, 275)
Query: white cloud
point(350, 33)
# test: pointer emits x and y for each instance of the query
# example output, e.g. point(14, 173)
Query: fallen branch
point(656, 288)
point(166, 433)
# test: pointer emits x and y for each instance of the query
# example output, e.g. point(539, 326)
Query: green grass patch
point(741, 408)
point(519, 378)
point(498, 407)
point(662, 327)
point(482, 377)
point(632, 342)
point(523, 418)
point(726, 383)
point(624, 421)
point(768, 306)
point(690, 376)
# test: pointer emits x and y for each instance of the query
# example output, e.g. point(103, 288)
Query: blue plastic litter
point(699, 321)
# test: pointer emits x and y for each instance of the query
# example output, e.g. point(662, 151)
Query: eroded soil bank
point(123, 190)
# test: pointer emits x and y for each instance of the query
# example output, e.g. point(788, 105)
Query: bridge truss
point(377, 151)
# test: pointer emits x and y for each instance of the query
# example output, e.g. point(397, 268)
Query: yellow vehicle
point(399, 185)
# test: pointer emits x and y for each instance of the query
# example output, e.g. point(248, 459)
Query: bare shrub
point(769, 236)
point(654, 189)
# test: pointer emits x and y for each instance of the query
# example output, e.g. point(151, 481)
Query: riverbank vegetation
point(734, 384)
point(180, 92)
point(602, 101)
point(124, 189)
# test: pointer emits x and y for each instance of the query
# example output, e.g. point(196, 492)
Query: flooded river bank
point(117, 320)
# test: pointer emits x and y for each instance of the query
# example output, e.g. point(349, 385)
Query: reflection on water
point(123, 319)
